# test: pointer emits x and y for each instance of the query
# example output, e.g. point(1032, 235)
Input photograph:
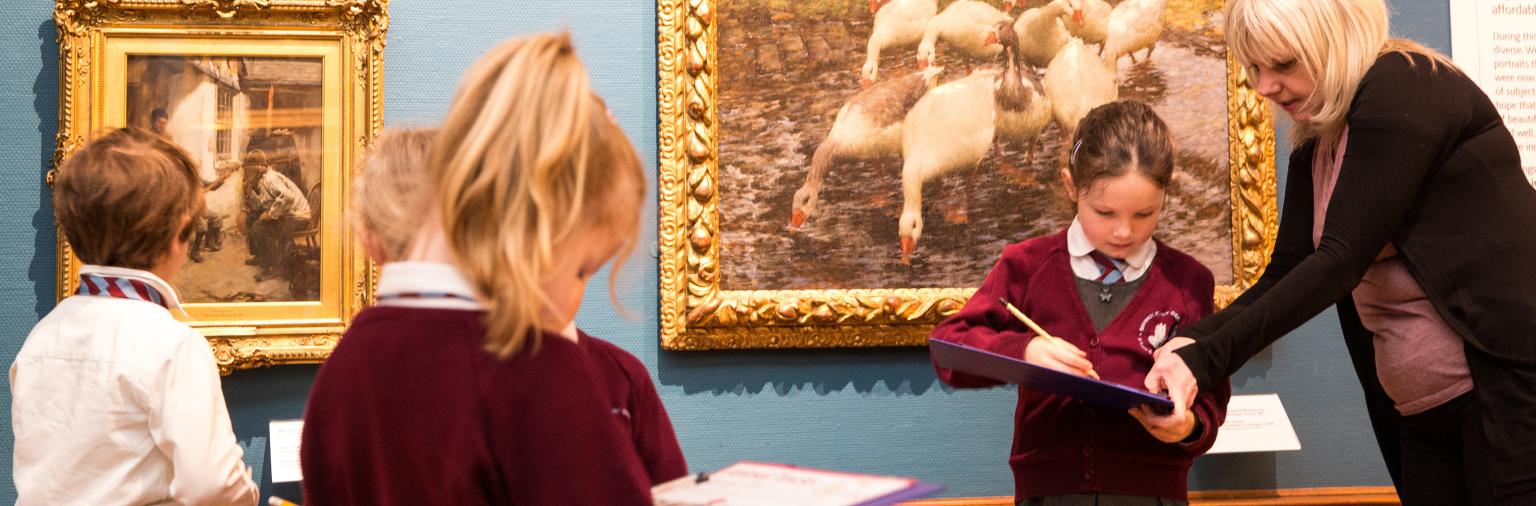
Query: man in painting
point(158, 119)
point(282, 154)
point(275, 209)
point(210, 227)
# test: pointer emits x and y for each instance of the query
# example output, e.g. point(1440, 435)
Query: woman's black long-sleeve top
point(1431, 169)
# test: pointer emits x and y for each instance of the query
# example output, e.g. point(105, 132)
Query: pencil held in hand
point(1053, 340)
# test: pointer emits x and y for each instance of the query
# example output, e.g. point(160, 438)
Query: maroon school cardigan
point(1062, 445)
point(411, 409)
point(633, 396)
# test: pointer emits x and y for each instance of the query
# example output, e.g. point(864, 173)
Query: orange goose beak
point(874, 5)
point(796, 219)
point(991, 39)
point(1077, 16)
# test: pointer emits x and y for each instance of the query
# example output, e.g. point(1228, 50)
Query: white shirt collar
point(172, 301)
point(425, 277)
point(1084, 267)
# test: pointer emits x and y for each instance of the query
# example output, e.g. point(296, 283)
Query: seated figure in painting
point(282, 154)
point(275, 209)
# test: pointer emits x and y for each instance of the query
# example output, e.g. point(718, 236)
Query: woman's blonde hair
point(391, 194)
point(528, 157)
point(1334, 41)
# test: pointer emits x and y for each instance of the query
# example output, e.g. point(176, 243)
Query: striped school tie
point(121, 288)
point(1111, 270)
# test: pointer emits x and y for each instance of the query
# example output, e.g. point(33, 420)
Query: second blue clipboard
point(984, 363)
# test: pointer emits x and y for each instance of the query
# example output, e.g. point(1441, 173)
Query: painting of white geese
point(898, 23)
point(1077, 81)
point(955, 124)
point(791, 140)
point(1041, 32)
point(867, 127)
point(1089, 20)
point(964, 26)
point(1134, 25)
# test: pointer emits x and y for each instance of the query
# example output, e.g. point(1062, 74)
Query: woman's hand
point(1059, 355)
point(1171, 428)
point(1170, 374)
point(1172, 344)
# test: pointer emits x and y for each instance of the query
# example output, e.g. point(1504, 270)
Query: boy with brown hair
point(113, 399)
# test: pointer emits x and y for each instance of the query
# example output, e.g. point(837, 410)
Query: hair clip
point(1075, 146)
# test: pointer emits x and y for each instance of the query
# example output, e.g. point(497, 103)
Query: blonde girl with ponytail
point(537, 188)
point(458, 387)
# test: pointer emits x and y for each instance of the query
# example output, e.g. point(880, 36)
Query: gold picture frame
point(297, 80)
point(697, 314)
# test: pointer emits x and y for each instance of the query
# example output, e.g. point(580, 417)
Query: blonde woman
point(1405, 207)
point(458, 388)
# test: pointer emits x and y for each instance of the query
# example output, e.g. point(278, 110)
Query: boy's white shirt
point(1084, 267)
point(113, 401)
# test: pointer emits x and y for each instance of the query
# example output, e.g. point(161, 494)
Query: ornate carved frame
point(696, 314)
point(241, 335)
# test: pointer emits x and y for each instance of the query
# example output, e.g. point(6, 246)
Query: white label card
point(1255, 423)
point(284, 438)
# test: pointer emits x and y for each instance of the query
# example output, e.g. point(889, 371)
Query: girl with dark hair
point(1112, 295)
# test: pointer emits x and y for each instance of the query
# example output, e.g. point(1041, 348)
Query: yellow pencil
point(1041, 332)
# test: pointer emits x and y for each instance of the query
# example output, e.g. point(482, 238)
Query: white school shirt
point(113, 401)
point(1084, 267)
point(396, 278)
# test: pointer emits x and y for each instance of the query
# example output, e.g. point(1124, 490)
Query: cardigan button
point(1088, 474)
point(1087, 451)
point(1094, 342)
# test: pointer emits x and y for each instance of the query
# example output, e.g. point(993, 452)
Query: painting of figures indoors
point(861, 144)
point(253, 127)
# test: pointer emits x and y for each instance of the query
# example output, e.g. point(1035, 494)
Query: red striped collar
point(124, 283)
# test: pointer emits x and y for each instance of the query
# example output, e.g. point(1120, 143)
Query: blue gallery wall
point(878, 411)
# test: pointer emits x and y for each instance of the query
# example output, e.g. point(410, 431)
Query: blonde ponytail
point(527, 157)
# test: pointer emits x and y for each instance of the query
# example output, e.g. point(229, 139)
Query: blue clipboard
point(1014, 370)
